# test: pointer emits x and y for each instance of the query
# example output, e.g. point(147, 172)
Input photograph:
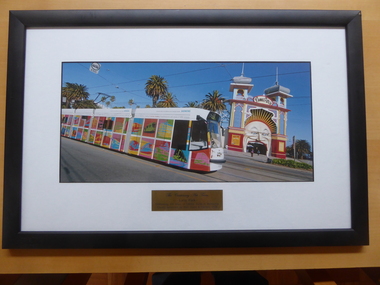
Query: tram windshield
point(213, 122)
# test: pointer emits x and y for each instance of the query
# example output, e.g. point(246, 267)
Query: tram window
point(198, 135)
point(101, 123)
point(108, 124)
point(180, 134)
point(83, 121)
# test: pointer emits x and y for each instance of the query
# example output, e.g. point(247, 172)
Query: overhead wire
point(132, 92)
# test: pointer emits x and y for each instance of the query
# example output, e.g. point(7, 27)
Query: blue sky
point(191, 81)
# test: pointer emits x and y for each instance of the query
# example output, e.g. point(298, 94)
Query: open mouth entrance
point(257, 147)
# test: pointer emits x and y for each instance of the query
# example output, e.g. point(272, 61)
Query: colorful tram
point(185, 137)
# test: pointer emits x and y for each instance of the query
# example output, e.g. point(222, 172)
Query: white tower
point(241, 86)
point(278, 93)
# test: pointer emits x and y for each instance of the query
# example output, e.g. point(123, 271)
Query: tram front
point(216, 140)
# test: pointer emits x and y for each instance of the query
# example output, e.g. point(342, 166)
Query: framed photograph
point(185, 129)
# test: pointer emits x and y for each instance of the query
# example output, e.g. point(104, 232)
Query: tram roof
point(172, 113)
point(68, 111)
point(126, 113)
point(152, 113)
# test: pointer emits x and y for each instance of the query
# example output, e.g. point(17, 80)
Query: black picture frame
point(20, 21)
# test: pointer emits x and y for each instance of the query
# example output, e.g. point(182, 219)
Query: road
point(82, 162)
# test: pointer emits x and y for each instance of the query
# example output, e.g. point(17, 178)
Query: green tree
point(302, 147)
point(155, 87)
point(289, 151)
point(168, 100)
point(73, 94)
point(193, 104)
point(131, 102)
point(105, 99)
point(214, 102)
point(85, 104)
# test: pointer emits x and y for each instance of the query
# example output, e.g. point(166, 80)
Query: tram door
point(180, 134)
point(179, 155)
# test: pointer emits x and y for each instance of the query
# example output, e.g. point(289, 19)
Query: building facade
point(258, 124)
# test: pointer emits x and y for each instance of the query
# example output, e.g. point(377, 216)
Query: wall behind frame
point(155, 260)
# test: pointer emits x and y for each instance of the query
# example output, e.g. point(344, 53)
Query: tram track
point(87, 163)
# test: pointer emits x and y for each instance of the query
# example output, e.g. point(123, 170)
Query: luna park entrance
point(257, 148)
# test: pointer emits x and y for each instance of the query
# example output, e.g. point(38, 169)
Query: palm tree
point(193, 104)
point(214, 102)
point(168, 101)
point(74, 92)
point(85, 104)
point(155, 87)
point(302, 147)
point(107, 100)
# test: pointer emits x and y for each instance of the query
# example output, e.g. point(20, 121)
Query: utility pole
point(294, 148)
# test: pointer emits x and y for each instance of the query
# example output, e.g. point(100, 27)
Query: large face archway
point(257, 135)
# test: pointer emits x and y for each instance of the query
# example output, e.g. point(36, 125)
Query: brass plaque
point(187, 200)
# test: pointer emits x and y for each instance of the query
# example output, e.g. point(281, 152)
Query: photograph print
point(186, 122)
